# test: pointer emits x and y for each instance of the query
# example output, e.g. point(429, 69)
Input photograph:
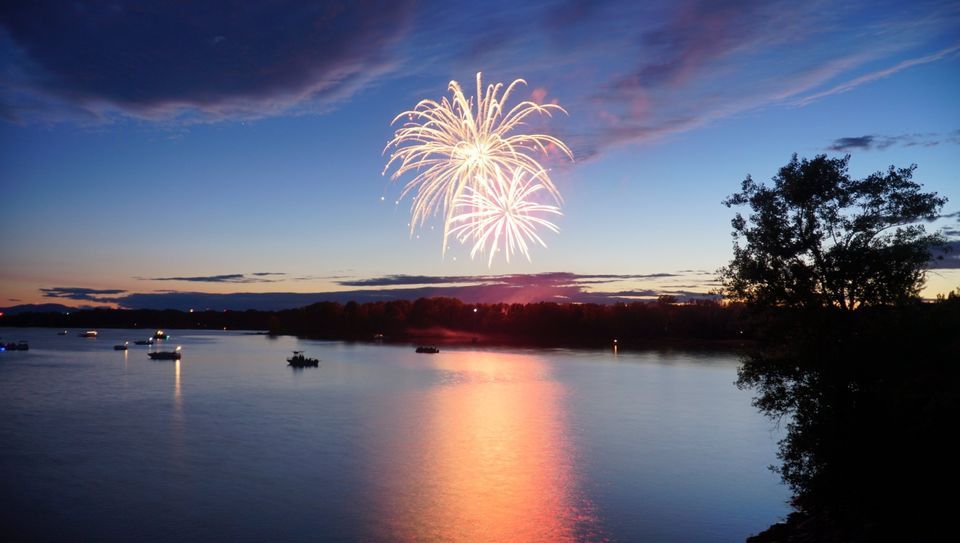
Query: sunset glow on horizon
point(180, 181)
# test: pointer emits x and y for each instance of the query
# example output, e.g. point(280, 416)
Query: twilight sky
point(228, 154)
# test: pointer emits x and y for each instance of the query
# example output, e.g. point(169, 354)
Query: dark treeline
point(441, 319)
point(536, 323)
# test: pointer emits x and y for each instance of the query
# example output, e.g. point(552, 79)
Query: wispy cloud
point(257, 277)
point(90, 60)
point(516, 288)
point(952, 215)
point(80, 293)
point(876, 141)
point(552, 278)
point(880, 74)
point(947, 257)
point(710, 61)
point(679, 65)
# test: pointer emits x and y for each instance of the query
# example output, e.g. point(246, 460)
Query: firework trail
point(463, 145)
point(502, 212)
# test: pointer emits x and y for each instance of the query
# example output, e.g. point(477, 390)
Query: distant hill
point(38, 308)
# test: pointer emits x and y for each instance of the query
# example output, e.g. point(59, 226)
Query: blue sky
point(220, 140)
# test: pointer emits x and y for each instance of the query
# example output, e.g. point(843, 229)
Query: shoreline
point(466, 339)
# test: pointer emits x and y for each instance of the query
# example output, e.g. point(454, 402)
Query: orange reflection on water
point(493, 459)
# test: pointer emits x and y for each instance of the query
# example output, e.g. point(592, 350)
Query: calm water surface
point(378, 444)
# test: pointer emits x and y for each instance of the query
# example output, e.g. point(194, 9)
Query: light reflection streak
point(492, 455)
point(177, 397)
point(177, 420)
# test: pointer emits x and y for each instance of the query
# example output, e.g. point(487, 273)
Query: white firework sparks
point(503, 211)
point(463, 145)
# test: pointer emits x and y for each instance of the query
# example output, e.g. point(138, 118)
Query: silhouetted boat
point(63, 333)
point(88, 333)
point(428, 350)
point(18, 346)
point(165, 355)
point(121, 347)
point(160, 335)
point(300, 361)
point(148, 341)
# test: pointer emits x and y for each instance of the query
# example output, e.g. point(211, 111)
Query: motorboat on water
point(428, 350)
point(18, 346)
point(160, 334)
point(298, 360)
point(122, 347)
point(63, 333)
point(88, 333)
point(166, 355)
point(148, 341)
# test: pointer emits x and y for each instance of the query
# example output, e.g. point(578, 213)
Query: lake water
point(377, 444)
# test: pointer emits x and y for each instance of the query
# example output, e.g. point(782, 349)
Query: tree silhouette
point(864, 379)
point(818, 238)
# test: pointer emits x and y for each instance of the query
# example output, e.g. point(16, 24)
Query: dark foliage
point(864, 375)
point(870, 399)
point(818, 238)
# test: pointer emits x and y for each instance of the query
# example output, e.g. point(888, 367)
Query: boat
point(121, 347)
point(300, 361)
point(18, 346)
point(160, 335)
point(88, 333)
point(166, 355)
point(148, 341)
point(63, 333)
point(428, 350)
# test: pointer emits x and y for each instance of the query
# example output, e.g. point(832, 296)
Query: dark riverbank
point(448, 321)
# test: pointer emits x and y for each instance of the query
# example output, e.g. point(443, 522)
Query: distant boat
point(121, 347)
point(165, 355)
point(160, 335)
point(300, 361)
point(428, 350)
point(148, 341)
point(18, 346)
point(88, 333)
point(65, 332)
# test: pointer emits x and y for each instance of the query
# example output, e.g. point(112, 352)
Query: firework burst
point(503, 211)
point(465, 145)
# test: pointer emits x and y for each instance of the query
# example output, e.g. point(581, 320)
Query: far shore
point(465, 339)
point(664, 324)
